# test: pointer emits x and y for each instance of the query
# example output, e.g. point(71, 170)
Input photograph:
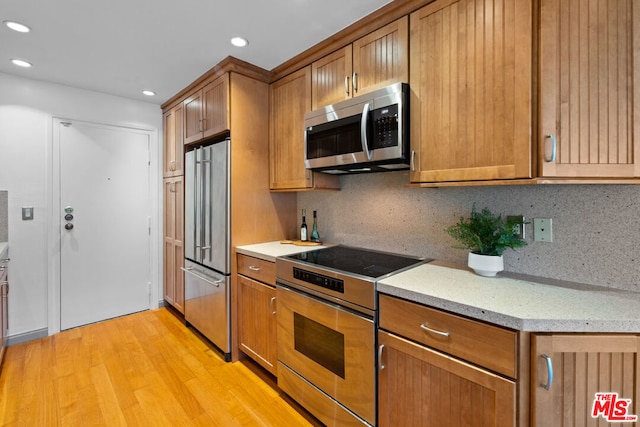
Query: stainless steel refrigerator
point(207, 243)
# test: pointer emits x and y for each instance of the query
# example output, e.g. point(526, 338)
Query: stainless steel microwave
point(367, 133)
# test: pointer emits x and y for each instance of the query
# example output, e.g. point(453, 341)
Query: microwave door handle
point(364, 121)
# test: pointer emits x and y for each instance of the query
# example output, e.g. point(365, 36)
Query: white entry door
point(105, 222)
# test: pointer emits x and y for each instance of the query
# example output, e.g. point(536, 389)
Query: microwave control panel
point(385, 126)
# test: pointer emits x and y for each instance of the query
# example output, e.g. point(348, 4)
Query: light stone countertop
point(515, 301)
point(270, 250)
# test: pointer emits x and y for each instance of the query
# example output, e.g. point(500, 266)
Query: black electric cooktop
point(363, 262)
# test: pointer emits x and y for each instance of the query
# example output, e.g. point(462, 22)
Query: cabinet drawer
point(258, 269)
point(489, 346)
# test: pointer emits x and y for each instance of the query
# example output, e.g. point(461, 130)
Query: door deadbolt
point(68, 226)
point(68, 217)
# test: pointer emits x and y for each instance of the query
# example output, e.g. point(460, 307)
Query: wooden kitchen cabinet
point(4, 308)
point(376, 60)
point(206, 112)
point(174, 242)
point(589, 91)
point(582, 365)
point(471, 102)
point(290, 99)
point(256, 311)
point(173, 142)
point(426, 378)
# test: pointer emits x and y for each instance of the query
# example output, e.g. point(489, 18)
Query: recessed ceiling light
point(16, 26)
point(21, 63)
point(239, 41)
point(148, 92)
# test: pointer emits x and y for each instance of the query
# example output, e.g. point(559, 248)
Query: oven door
point(326, 358)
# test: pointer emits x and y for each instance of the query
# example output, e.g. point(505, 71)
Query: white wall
point(26, 111)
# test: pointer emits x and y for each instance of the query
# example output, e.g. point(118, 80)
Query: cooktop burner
point(363, 262)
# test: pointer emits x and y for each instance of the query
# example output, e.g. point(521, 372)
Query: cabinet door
point(173, 255)
point(589, 88)
point(582, 366)
point(173, 142)
point(471, 90)
point(193, 118)
point(332, 78)
point(290, 99)
point(418, 386)
point(215, 113)
point(257, 322)
point(381, 58)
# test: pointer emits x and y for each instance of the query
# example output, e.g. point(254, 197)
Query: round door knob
point(68, 217)
point(68, 226)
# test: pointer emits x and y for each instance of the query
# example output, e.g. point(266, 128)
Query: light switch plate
point(27, 213)
point(542, 230)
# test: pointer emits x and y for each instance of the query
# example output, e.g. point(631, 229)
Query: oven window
point(319, 343)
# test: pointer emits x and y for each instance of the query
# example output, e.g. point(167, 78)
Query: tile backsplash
point(4, 216)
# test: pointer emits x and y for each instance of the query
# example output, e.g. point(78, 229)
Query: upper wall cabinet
point(290, 99)
point(471, 90)
point(376, 60)
point(173, 142)
point(206, 112)
point(589, 88)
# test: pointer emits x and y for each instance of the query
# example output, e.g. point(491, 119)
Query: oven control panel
point(326, 282)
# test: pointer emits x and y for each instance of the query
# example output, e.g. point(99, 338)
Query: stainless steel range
point(326, 312)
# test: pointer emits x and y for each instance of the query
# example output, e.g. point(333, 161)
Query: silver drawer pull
point(435, 331)
point(254, 268)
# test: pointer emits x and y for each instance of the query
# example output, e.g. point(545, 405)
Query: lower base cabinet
point(257, 311)
point(568, 371)
point(418, 386)
point(4, 308)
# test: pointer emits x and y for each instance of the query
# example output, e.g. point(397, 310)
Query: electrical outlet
point(542, 230)
point(518, 224)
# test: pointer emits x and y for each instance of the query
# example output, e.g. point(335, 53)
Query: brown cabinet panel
point(332, 78)
point(173, 142)
point(258, 269)
point(174, 242)
point(589, 88)
point(378, 59)
point(418, 386)
point(257, 328)
point(382, 57)
point(206, 112)
point(471, 90)
point(582, 366)
point(489, 346)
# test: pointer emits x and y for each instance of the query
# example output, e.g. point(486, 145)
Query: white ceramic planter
point(485, 265)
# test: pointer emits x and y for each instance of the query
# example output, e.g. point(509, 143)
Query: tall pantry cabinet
point(173, 190)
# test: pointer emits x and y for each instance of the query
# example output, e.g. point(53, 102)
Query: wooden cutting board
point(300, 243)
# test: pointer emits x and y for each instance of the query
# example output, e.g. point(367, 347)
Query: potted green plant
point(486, 236)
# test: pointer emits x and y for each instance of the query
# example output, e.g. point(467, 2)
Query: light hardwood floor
point(145, 369)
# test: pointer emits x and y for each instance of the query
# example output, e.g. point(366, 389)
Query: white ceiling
point(121, 47)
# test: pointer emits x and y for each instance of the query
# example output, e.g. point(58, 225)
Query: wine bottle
point(315, 237)
point(303, 227)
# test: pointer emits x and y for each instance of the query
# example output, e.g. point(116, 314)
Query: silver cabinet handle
point(380, 348)
point(435, 331)
point(346, 85)
point(547, 386)
point(254, 268)
point(553, 148)
point(413, 160)
point(271, 301)
point(354, 82)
